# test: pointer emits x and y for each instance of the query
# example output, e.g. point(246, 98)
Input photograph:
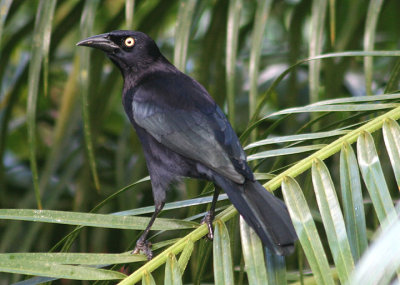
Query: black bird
point(185, 134)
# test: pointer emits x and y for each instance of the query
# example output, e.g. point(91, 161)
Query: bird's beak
point(101, 42)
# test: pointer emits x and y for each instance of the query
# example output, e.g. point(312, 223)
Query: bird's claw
point(208, 220)
point(145, 247)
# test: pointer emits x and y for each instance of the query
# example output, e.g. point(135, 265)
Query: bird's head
point(129, 50)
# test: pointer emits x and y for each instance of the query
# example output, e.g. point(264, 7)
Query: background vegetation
point(67, 148)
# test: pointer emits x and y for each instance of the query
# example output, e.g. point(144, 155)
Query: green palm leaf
point(172, 271)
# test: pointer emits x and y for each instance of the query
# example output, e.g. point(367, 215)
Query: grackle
point(185, 134)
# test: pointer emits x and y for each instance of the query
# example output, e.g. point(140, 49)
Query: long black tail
point(265, 213)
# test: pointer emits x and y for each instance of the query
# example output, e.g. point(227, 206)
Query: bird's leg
point(142, 243)
point(209, 217)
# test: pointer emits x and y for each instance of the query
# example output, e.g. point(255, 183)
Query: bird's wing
point(180, 114)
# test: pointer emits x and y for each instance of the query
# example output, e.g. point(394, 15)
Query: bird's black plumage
point(184, 133)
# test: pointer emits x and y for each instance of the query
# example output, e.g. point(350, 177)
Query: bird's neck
point(136, 73)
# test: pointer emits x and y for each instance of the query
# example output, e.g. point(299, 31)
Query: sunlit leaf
point(284, 151)
point(185, 256)
point(374, 179)
point(172, 205)
point(253, 255)
point(172, 271)
point(391, 134)
point(353, 204)
point(294, 138)
point(71, 258)
point(332, 218)
point(59, 270)
point(336, 108)
point(380, 262)
point(148, 279)
point(306, 231)
point(223, 268)
point(362, 99)
point(92, 220)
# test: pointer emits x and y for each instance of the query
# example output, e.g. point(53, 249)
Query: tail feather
point(262, 211)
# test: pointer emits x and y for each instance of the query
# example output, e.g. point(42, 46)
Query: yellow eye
point(129, 42)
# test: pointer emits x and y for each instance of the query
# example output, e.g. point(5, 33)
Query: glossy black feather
point(266, 214)
point(180, 114)
point(184, 133)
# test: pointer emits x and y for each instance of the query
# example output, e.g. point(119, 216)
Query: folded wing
point(181, 115)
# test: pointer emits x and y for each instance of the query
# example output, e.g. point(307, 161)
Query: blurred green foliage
point(72, 128)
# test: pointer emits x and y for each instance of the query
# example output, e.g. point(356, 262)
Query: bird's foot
point(208, 220)
point(145, 247)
